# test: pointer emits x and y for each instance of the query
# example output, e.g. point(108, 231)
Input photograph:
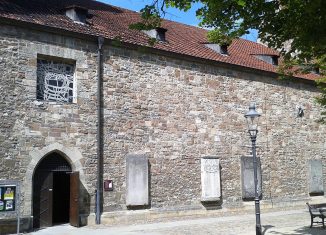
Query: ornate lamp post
point(252, 120)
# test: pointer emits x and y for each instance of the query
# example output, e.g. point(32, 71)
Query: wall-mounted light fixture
point(300, 112)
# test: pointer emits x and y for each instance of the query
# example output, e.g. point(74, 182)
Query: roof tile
point(113, 22)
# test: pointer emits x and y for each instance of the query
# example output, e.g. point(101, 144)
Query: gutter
point(99, 183)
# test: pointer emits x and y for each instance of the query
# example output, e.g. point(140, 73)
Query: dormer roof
point(113, 22)
point(76, 13)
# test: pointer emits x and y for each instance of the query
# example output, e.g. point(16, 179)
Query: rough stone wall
point(173, 110)
point(28, 124)
point(178, 111)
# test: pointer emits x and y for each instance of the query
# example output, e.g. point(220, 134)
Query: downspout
point(99, 188)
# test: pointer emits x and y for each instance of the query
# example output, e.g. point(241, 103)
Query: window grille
point(55, 81)
point(54, 162)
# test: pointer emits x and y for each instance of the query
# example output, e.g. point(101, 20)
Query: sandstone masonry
point(173, 110)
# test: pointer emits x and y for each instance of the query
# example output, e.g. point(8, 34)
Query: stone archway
point(71, 154)
point(51, 191)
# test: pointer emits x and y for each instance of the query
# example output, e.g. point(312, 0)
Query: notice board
point(8, 197)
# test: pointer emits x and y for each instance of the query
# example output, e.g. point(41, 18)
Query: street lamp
point(252, 117)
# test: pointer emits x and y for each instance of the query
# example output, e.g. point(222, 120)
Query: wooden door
point(42, 201)
point(74, 199)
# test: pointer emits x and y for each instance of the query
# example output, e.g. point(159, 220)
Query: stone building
point(88, 104)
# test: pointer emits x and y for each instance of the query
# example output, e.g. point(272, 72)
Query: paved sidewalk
point(294, 222)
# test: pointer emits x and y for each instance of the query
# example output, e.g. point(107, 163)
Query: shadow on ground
point(298, 231)
point(266, 227)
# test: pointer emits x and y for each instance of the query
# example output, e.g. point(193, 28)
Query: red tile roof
point(113, 22)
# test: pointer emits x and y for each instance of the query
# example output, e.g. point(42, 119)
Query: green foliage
point(182, 5)
point(150, 19)
point(322, 99)
point(216, 36)
point(117, 42)
point(152, 41)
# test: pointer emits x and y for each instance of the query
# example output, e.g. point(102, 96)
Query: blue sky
point(188, 17)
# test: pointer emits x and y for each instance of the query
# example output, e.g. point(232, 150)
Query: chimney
point(76, 13)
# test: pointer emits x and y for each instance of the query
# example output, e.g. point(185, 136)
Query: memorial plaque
point(316, 183)
point(137, 180)
point(247, 178)
point(210, 179)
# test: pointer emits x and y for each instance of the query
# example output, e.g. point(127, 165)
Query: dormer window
point(271, 59)
point(77, 13)
point(274, 60)
point(157, 33)
point(224, 49)
point(221, 49)
point(315, 70)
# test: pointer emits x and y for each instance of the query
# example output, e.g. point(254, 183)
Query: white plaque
point(210, 179)
point(137, 180)
point(316, 182)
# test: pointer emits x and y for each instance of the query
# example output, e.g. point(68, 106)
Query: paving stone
point(280, 222)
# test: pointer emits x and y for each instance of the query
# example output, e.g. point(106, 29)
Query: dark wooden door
point(74, 199)
point(42, 202)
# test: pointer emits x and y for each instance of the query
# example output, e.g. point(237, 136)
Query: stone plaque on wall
point(247, 178)
point(137, 180)
point(316, 183)
point(210, 179)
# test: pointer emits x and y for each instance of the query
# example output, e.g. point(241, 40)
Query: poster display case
point(7, 198)
point(10, 200)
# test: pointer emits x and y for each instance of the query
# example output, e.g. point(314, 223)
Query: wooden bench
point(317, 211)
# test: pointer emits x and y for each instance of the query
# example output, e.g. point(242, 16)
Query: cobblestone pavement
point(295, 222)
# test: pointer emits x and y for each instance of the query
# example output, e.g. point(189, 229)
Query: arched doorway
point(53, 191)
